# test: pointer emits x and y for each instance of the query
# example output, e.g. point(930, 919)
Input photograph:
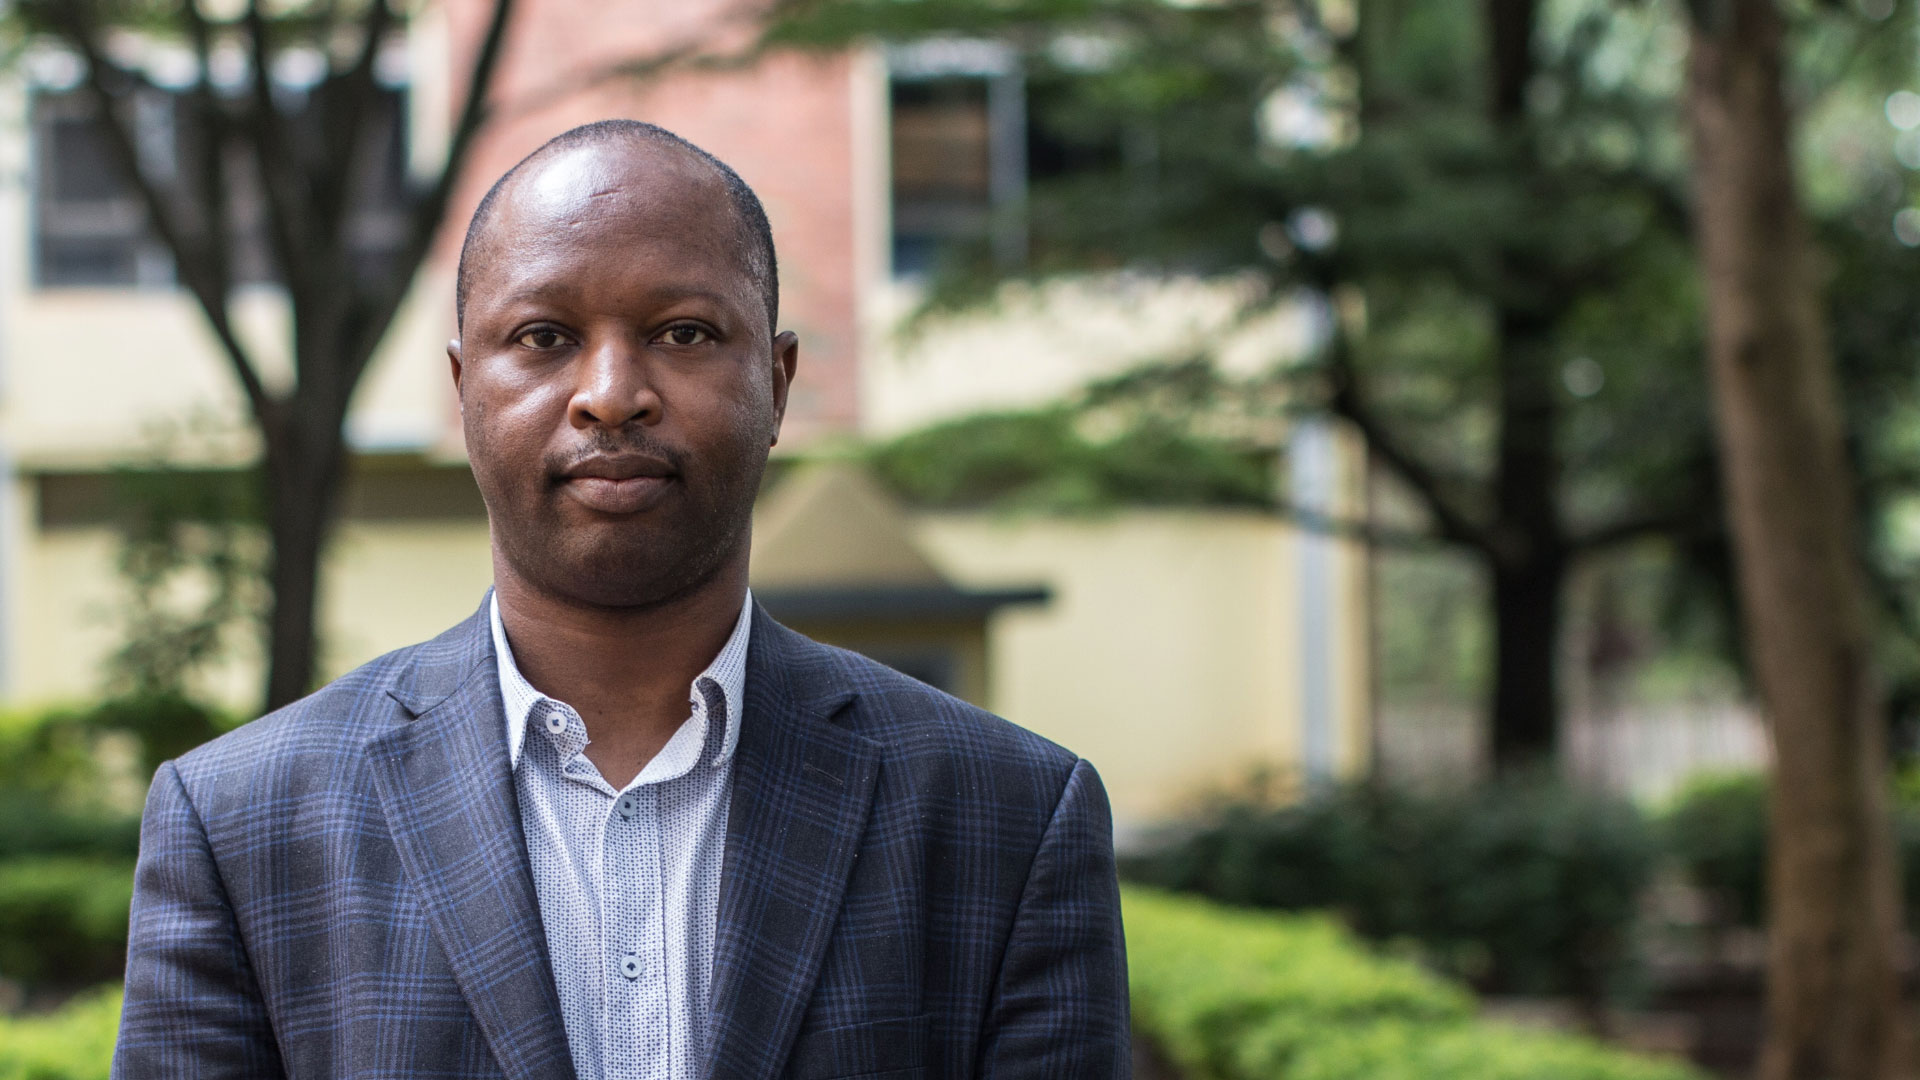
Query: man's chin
point(624, 576)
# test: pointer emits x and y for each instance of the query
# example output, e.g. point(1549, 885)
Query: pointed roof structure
point(830, 543)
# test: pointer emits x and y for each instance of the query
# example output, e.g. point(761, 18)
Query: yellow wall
point(1169, 655)
point(94, 377)
point(386, 585)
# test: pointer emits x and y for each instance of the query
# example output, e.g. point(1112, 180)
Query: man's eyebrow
point(664, 293)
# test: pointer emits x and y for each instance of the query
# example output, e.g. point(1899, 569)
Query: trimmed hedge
point(1239, 995)
point(1521, 887)
point(63, 921)
point(75, 1043)
point(1226, 994)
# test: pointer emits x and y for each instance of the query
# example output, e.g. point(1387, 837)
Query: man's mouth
point(623, 484)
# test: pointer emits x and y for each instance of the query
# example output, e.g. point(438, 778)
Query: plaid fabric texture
point(912, 889)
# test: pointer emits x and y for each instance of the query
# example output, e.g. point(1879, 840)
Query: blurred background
point(1300, 408)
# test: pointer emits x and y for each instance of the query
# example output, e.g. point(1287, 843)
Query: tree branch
point(350, 100)
point(71, 25)
point(427, 211)
point(211, 123)
point(1348, 402)
point(1637, 527)
point(272, 154)
point(1364, 532)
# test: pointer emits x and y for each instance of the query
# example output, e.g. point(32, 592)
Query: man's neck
point(627, 673)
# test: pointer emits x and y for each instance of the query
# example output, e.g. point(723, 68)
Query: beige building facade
point(1176, 650)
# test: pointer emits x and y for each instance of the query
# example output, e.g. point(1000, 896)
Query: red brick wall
point(784, 124)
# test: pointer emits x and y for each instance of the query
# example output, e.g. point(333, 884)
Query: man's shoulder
point(311, 741)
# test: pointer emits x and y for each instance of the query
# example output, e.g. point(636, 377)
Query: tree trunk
point(1833, 1005)
point(1526, 648)
point(303, 474)
point(1528, 560)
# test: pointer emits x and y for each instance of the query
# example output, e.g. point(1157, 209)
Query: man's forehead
point(609, 204)
point(572, 185)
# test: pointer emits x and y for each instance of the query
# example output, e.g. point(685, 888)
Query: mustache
point(603, 443)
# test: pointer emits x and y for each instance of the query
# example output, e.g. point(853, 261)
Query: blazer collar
point(802, 786)
point(445, 786)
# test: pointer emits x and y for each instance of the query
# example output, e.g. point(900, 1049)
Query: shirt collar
point(727, 671)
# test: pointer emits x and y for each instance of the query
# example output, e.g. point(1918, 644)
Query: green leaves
point(1049, 460)
point(1240, 995)
point(1522, 886)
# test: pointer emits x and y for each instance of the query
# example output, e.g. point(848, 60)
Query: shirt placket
point(634, 939)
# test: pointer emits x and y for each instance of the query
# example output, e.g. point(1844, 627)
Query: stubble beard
point(628, 569)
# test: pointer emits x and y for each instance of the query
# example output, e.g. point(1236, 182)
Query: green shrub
point(36, 826)
point(63, 920)
point(164, 724)
point(71, 778)
point(1716, 833)
point(75, 1043)
point(1239, 995)
point(1521, 887)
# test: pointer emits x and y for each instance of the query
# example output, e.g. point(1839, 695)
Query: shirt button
point(626, 808)
point(630, 966)
point(556, 723)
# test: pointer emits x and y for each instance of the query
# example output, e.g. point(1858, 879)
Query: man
point(619, 823)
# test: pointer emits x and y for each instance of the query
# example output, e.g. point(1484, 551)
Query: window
point(90, 227)
point(958, 145)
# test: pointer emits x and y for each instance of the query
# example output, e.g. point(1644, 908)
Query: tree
point(1491, 221)
point(1834, 1009)
point(313, 157)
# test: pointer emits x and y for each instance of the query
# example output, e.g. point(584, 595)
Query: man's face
point(618, 382)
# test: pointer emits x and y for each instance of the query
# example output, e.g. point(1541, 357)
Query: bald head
point(654, 148)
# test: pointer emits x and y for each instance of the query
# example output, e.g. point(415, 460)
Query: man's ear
point(786, 360)
point(453, 358)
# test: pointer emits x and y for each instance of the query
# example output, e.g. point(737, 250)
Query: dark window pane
point(942, 169)
point(90, 227)
point(69, 261)
point(78, 165)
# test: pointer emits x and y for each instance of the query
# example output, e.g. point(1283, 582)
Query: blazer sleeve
point(1060, 1008)
point(193, 1007)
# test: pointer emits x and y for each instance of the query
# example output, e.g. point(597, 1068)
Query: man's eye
point(685, 335)
point(541, 339)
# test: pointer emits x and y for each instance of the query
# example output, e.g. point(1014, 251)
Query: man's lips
point(617, 485)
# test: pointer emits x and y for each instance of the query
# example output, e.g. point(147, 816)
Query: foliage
point(1484, 211)
point(75, 1043)
point(1237, 995)
point(63, 762)
point(63, 920)
point(191, 571)
point(1716, 831)
point(1044, 460)
point(164, 725)
point(29, 825)
point(1522, 886)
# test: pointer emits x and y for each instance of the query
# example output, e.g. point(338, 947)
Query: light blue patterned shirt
point(629, 880)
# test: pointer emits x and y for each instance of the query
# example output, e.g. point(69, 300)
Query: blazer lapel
point(801, 790)
point(445, 785)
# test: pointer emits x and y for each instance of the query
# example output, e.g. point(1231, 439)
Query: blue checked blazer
point(912, 889)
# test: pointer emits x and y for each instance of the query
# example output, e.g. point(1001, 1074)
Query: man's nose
point(613, 389)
